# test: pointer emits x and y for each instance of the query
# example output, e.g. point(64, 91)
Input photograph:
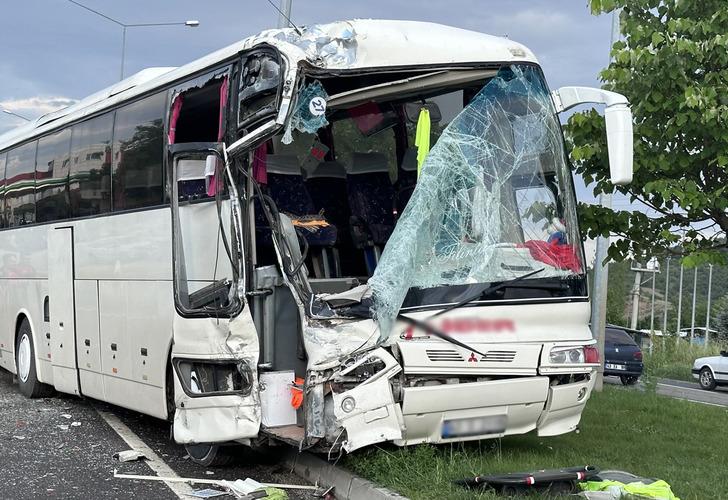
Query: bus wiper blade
point(486, 291)
point(436, 333)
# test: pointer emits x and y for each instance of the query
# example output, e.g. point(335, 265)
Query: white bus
point(332, 237)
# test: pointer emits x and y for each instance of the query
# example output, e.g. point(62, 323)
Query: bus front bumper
point(484, 410)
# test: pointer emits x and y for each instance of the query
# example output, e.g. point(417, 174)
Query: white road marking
point(155, 463)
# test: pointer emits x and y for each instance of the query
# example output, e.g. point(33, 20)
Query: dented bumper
point(491, 409)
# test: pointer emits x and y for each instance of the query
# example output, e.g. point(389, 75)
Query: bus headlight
point(212, 377)
point(573, 355)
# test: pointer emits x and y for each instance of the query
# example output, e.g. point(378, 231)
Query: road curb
point(347, 485)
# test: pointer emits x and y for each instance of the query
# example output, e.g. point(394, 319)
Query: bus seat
point(290, 194)
point(327, 186)
point(406, 180)
point(371, 195)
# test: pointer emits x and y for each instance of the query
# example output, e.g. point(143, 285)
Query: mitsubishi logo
point(472, 358)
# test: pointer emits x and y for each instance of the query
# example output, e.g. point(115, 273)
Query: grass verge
point(683, 443)
point(668, 360)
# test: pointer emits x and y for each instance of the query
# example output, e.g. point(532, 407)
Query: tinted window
point(2, 189)
point(90, 181)
point(20, 185)
point(138, 143)
point(615, 336)
point(51, 177)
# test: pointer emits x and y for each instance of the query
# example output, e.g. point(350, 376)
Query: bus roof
point(342, 45)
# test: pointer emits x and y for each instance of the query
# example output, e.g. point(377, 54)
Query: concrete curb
point(347, 485)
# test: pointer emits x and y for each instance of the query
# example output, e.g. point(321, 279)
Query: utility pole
point(636, 297)
point(679, 305)
point(652, 308)
point(601, 269)
point(707, 314)
point(285, 14)
point(692, 319)
point(667, 288)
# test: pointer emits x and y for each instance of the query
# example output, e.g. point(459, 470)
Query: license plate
point(610, 366)
point(462, 427)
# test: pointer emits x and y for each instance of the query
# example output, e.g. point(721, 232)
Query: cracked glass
point(494, 200)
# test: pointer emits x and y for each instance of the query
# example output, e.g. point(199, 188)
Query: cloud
point(37, 105)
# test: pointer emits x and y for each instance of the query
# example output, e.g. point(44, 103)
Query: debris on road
point(552, 481)
point(75, 424)
point(129, 456)
point(63, 427)
point(208, 493)
point(221, 482)
point(66, 415)
point(19, 437)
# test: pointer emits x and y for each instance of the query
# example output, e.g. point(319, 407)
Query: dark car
point(622, 355)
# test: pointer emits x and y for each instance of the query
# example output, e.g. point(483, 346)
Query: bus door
point(62, 310)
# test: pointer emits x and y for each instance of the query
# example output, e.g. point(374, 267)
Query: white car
point(711, 371)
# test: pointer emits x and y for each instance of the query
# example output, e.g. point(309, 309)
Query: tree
point(672, 64)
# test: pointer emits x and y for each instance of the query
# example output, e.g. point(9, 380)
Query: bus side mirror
point(618, 118)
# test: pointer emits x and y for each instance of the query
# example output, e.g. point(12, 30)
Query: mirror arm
point(567, 97)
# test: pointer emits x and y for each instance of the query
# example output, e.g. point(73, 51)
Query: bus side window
point(3, 222)
point(51, 177)
point(90, 185)
point(137, 154)
point(20, 185)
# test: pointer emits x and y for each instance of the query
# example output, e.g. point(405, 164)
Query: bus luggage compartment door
point(62, 309)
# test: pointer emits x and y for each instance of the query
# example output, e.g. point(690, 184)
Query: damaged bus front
point(399, 238)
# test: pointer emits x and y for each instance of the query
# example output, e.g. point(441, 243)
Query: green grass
point(675, 361)
point(683, 443)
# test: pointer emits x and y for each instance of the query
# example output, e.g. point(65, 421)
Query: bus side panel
point(23, 286)
point(131, 246)
point(88, 340)
point(126, 261)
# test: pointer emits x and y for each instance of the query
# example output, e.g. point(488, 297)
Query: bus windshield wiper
point(486, 291)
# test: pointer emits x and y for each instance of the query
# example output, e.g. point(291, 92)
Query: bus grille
point(443, 355)
point(499, 356)
point(450, 355)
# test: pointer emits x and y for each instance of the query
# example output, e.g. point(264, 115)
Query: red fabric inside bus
point(174, 117)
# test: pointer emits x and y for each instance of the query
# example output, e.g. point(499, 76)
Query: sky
point(55, 52)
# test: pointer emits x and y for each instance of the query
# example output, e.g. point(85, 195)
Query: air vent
point(499, 356)
point(443, 355)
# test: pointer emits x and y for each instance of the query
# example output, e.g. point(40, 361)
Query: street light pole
point(707, 314)
point(190, 24)
point(15, 114)
point(667, 288)
point(679, 305)
point(692, 319)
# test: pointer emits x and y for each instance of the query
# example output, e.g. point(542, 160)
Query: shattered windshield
point(493, 199)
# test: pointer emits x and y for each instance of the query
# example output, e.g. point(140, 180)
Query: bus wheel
point(209, 455)
point(25, 362)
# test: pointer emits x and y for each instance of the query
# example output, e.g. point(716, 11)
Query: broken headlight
point(209, 377)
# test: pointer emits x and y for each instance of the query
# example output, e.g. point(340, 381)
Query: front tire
point(628, 379)
point(209, 455)
point(706, 379)
point(28, 381)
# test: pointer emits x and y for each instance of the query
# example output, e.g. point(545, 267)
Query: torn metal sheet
point(227, 417)
point(331, 45)
point(462, 224)
point(368, 411)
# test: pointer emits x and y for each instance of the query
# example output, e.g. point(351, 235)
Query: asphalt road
point(680, 389)
point(61, 447)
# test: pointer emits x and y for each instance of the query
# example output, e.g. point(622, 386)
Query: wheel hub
point(24, 358)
